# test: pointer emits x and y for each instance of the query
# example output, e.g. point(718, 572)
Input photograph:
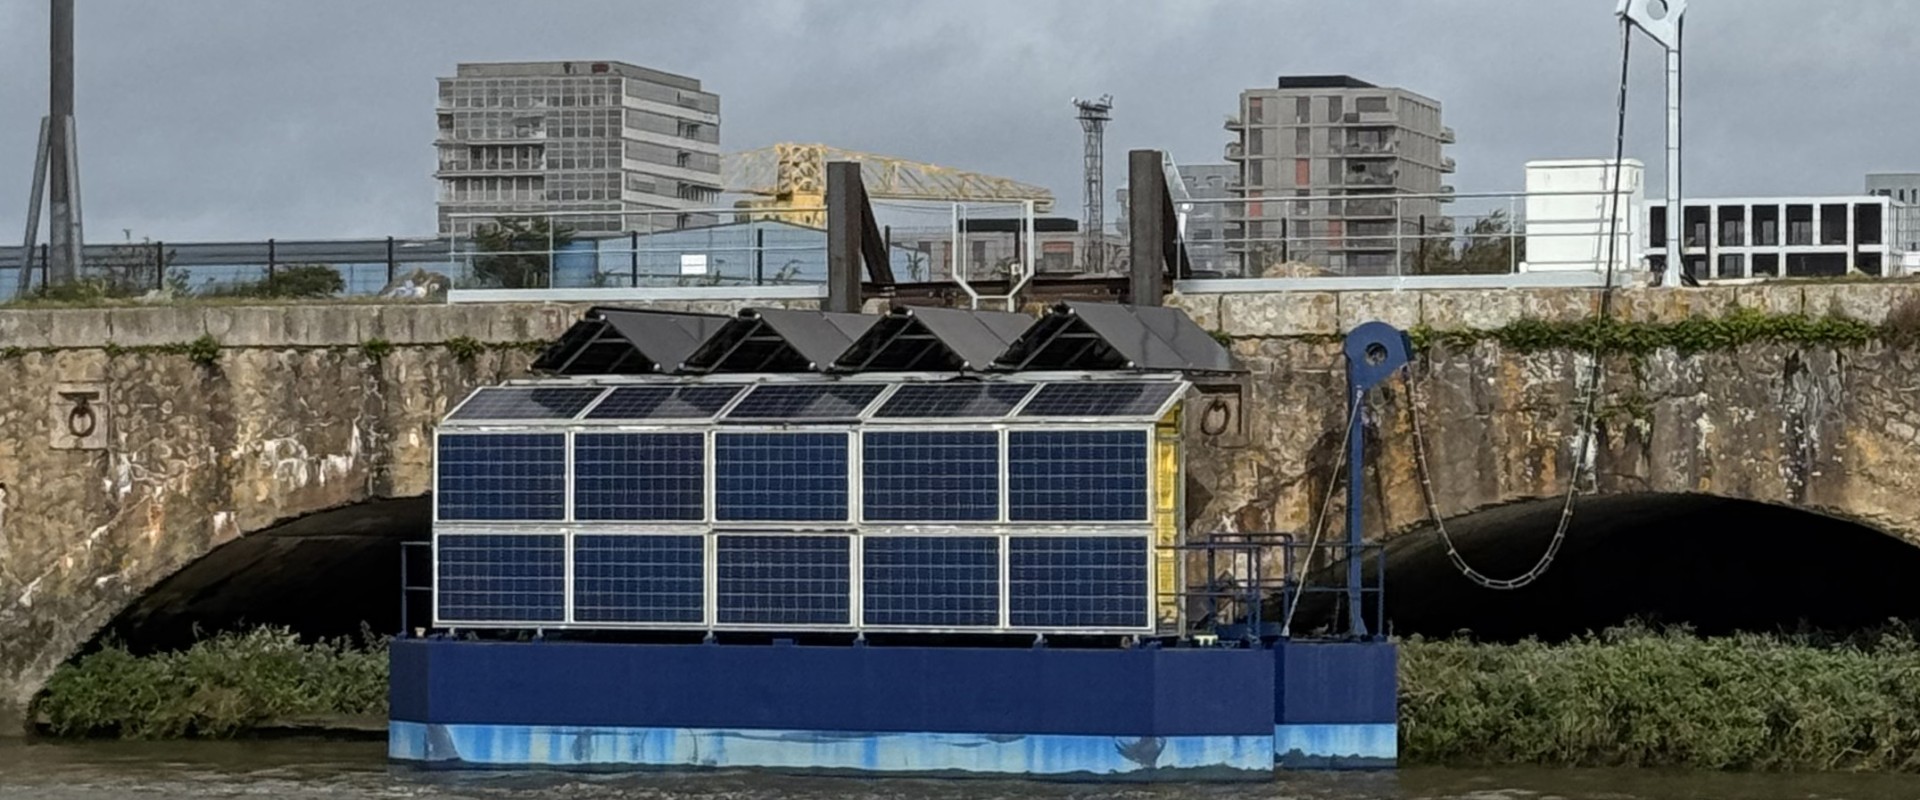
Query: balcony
point(1447, 165)
point(1446, 135)
point(1370, 208)
point(1234, 123)
point(1359, 149)
point(1372, 178)
point(1236, 152)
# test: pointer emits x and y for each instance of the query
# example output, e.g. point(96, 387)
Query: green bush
point(1640, 698)
point(293, 282)
point(219, 687)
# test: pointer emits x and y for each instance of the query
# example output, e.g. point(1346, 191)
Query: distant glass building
point(575, 139)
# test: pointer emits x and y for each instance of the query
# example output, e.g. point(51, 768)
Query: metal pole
point(159, 266)
point(63, 190)
point(37, 197)
point(1420, 254)
point(273, 256)
point(1399, 225)
point(633, 259)
point(1356, 473)
point(759, 255)
point(1676, 205)
point(390, 264)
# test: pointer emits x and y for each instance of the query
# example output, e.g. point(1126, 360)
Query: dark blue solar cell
point(951, 400)
point(931, 581)
point(1077, 476)
point(527, 402)
point(784, 580)
point(780, 477)
point(639, 476)
point(1099, 399)
point(489, 477)
point(927, 476)
point(639, 578)
point(816, 401)
point(1069, 582)
point(500, 578)
point(664, 402)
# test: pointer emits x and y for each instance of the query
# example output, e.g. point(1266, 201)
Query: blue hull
point(1151, 714)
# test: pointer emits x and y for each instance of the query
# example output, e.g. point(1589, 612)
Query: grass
point(220, 687)
point(1641, 698)
point(1628, 697)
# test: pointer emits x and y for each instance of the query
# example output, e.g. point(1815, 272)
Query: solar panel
point(664, 402)
point(928, 476)
point(931, 581)
point(1077, 476)
point(500, 577)
point(784, 580)
point(639, 579)
point(780, 477)
point(639, 476)
point(1099, 399)
point(486, 477)
point(790, 401)
point(527, 402)
point(1060, 582)
point(949, 400)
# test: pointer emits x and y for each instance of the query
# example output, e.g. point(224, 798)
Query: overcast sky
point(248, 119)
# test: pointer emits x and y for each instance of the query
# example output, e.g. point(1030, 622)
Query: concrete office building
point(1904, 188)
point(577, 138)
point(1792, 237)
point(1334, 135)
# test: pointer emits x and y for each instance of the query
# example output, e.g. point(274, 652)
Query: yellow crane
point(791, 182)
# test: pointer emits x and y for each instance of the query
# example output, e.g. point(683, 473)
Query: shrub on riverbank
point(1635, 697)
point(221, 686)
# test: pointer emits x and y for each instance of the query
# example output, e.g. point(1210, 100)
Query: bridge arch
point(1718, 564)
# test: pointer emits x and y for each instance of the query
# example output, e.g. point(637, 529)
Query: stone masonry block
point(24, 329)
point(1867, 302)
point(1279, 314)
point(1400, 309)
point(1770, 298)
point(79, 327)
point(156, 325)
point(1561, 304)
point(247, 326)
point(1203, 309)
point(1464, 309)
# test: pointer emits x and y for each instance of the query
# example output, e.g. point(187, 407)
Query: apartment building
point(602, 145)
point(1320, 157)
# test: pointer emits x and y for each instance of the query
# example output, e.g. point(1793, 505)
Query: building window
point(1256, 112)
point(1302, 110)
point(1335, 108)
point(1732, 266)
point(1370, 105)
point(1302, 141)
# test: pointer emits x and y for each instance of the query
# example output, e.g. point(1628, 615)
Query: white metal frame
point(856, 529)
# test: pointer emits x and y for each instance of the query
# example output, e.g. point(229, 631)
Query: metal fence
point(1399, 236)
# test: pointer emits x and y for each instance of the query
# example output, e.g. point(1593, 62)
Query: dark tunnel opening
point(1716, 565)
point(331, 574)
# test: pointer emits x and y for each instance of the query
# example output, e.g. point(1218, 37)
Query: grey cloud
point(244, 119)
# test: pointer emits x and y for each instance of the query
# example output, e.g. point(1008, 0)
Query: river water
point(299, 770)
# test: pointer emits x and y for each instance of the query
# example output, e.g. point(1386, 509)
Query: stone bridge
point(259, 463)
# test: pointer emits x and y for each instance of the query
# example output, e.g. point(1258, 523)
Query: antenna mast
point(1094, 115)
point(56, 174)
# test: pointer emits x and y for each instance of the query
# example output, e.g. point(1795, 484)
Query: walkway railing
point(1255, 586)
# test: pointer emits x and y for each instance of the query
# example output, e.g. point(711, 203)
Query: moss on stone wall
point(1692, 335)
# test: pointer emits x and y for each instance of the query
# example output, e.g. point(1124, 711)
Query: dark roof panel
point(621, 341)
point(935, 339)
point(779, 340)
point(1104, 336)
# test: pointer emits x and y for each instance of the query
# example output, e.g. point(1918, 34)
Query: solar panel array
point(957, 506)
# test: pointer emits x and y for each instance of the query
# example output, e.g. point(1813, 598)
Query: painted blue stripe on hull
point(1247, 757)
point(1340, 746)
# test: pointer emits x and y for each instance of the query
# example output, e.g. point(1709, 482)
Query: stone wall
point(305, 409)
point(1829, 430)
point(311, 408)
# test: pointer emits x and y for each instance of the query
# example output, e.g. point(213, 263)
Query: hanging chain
point(1584, 458)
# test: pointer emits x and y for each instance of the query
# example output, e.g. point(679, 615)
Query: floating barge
point(935, 542)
